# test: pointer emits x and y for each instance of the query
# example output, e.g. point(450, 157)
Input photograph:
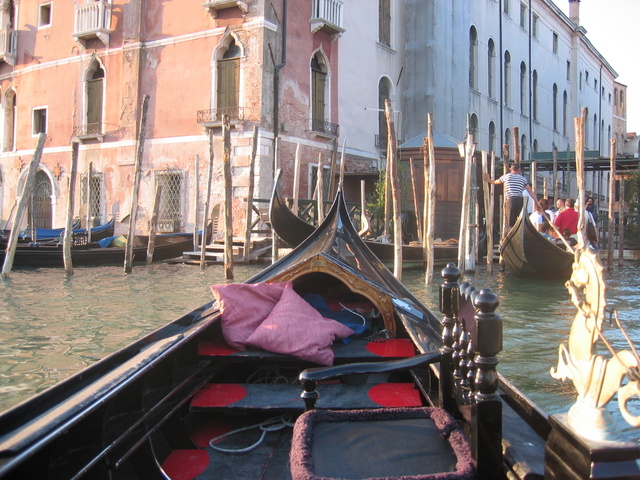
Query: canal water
point(52, 326)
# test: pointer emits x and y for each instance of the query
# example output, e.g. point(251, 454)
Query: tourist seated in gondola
point(568, 237)
point(542, 214)
point(568, 218)
point(546, 231)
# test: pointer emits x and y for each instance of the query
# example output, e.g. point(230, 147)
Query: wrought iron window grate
point(170, 210)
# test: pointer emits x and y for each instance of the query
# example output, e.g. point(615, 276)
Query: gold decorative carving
point(596, 378)
point(319, 264)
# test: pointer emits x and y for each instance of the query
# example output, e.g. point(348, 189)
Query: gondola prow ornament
point(596, 378)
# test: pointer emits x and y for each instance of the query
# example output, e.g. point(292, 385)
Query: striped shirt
point(514, 184)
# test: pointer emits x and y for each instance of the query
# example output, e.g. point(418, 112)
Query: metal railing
point(91, 18)
point(88, 130)
point(214, 115)
point(328, 10)
point(325, 127)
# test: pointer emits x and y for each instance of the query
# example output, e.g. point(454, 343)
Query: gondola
point(42, 255)
point(293, 230)
point(527, 254)
point(187, 402)
point(55, 234)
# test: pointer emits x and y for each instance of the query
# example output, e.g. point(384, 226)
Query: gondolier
point(514, 186)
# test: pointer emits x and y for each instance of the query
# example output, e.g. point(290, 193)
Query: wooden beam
point(68, 229)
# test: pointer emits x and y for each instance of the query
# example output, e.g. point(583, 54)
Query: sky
point(612, 27)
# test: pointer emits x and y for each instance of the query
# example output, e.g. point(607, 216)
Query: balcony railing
point(8, 45)
point(327, 15)
point(213, 117)
point(215, 5)
point(325, 128)
point(93, 21)
point(88, 131)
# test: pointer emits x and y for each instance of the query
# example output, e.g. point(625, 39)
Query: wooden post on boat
point(429, 220)
point(196, 202)
point(579, 123)
point(621, 224)
point(488, 190)
point(153, 227)
point(612, 193)
point(414, 190)
point(89, 222)
point(22, 205)
point(249, 215)
point(207, 203)
point(545, 188)
point(68, 230)
point(296, 181)
point(320, 188)
point(392, 171)
point(228, 198)
point(275, 254)
point(449, 307)
point(128, 257)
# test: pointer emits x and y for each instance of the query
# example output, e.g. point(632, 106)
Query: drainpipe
point(600, 114)
point(501, 77)
point(276, 76)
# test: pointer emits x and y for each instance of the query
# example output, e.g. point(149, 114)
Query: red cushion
point(296, 328)
point(244, 306)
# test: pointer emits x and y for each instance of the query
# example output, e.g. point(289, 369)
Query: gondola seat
point(416, 443)
point(358, 444)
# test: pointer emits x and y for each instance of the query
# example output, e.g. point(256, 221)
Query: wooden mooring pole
point(228, 198)
point(612, 192)
point(68, 229)
point(392, 172)
point(128, 258)
point(488, 190)
point(207, 202)
point(429, 200)
point(22, 206)
point(249, 210)
point(153, 227)
point(196, 201)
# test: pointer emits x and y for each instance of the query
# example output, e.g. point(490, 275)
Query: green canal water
point(52, 326)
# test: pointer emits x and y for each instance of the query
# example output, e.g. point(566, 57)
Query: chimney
point(574, 11)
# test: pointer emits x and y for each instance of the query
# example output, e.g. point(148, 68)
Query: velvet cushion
point(245, 306)
point(295, 328)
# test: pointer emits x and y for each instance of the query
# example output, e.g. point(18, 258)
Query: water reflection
point(52, 326)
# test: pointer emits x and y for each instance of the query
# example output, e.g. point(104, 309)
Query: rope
point(364, 320)
point(270, 425)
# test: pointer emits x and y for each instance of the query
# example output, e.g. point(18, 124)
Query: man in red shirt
point(568, 218)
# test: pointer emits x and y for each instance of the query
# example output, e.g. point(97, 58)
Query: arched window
point(565, 107)
point(595, 131)
point(318, 92)
point(10, 104)
point(492, 137)
point(94, 98)
point(228, 81)
point(473, 58)
point(615, 97)
point(507, 140)
point(535, 145)
point(586, 127)
point(507, 78)
point(535, 94)
point(555, 107)
point(384, 93)
point(523, 88)
point(384, 22)
point(523, 147)
point(491, 67)
point(473, 126)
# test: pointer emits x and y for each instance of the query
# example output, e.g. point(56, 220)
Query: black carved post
point(487, 419)
point(449, 296)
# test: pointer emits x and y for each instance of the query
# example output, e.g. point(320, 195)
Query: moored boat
point(527, 254)
point(43, 255)
point(293, 230)
point(187, 402)
point(55, 234)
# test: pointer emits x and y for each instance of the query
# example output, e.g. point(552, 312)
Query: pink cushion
point(244, 306)
point(296, 328)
